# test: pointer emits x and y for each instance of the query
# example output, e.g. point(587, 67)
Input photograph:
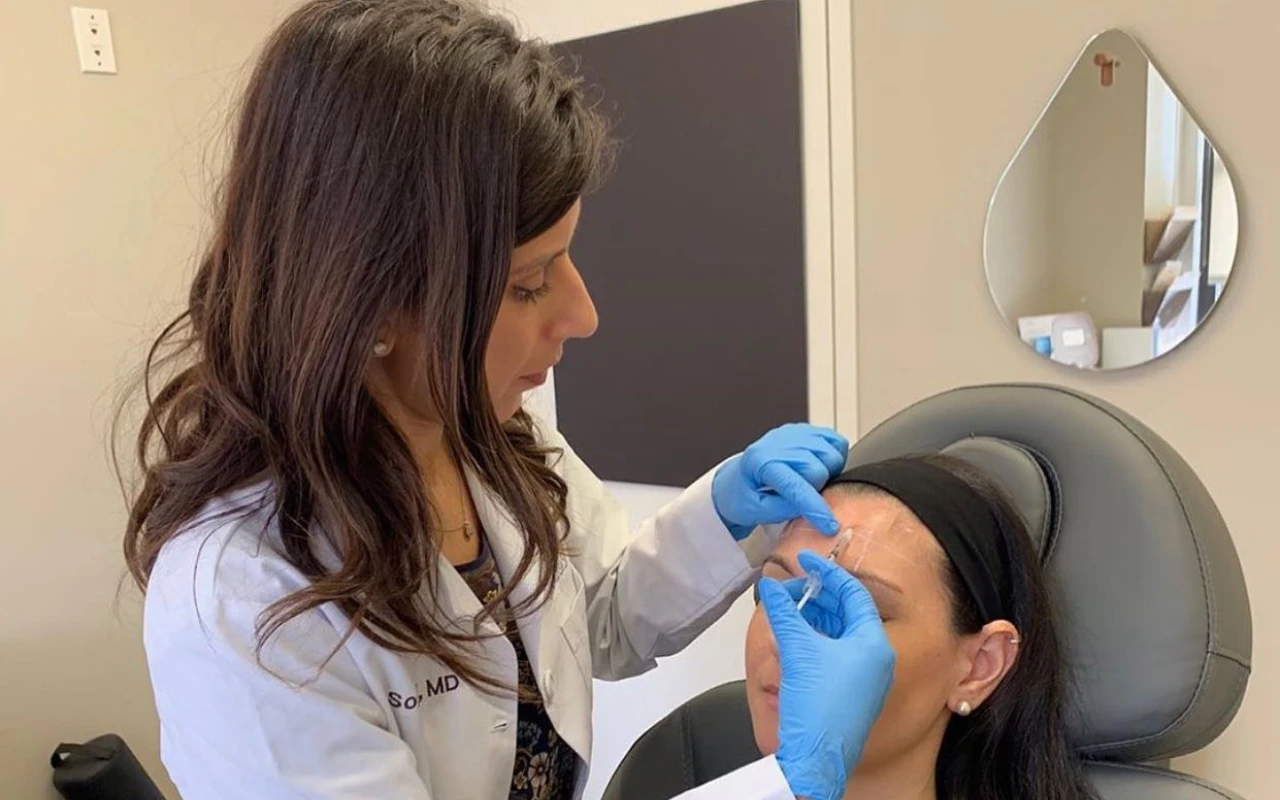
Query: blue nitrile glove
point(778, 478)
point(837, 668)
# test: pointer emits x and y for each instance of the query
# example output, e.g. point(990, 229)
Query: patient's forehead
point(887, 535)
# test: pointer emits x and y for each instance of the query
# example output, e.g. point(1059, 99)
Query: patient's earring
point(382, 349)
point(964, 709)
point(1015, 641)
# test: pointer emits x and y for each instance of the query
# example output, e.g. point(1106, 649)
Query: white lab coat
point(369, 724)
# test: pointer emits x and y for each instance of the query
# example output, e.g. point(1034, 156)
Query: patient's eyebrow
point(866, 577)
point(779, 561)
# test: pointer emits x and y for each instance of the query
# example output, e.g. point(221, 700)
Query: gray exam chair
point(1153, 599)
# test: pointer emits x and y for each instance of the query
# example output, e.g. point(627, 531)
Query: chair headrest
point(1152, 597)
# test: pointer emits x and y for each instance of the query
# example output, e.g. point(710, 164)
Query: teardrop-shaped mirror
point(1112, 233)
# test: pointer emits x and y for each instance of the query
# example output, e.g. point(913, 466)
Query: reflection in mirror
point(1112, 233)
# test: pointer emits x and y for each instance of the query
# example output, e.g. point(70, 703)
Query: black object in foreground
point(101, 769)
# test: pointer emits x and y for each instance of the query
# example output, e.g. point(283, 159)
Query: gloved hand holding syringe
point(837, 667)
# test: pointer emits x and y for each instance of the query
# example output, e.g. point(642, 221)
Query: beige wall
point(944, 93)
point(100, 211)
point(1018, 243)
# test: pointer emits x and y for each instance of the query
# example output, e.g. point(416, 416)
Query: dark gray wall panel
point(693, 250)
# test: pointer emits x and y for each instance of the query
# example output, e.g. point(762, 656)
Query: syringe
point(814, 581)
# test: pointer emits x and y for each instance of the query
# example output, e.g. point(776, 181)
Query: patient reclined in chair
point(1113, 550)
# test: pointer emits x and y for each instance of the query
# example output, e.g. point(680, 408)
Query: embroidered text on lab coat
point(430, 688)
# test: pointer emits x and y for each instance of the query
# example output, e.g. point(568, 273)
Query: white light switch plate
point(93, 39)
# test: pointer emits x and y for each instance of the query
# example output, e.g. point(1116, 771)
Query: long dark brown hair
point(1014, 746)
point(389, 156)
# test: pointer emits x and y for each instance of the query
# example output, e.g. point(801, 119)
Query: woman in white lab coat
point(369, 573)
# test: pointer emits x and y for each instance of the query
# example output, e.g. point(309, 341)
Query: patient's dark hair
point(1014, 746)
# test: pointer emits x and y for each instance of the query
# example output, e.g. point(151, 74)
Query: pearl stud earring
point(382, 349)
point(964, 709)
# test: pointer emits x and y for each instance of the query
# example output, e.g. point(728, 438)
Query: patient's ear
point(990, 653)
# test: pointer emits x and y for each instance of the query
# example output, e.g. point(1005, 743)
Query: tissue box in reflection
point(1069, 338)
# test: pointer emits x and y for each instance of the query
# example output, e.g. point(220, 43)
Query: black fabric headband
point(958, 517)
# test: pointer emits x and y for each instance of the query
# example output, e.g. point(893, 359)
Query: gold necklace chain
point(465, 527)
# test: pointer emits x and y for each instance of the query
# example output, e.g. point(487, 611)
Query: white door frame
point(826, 54)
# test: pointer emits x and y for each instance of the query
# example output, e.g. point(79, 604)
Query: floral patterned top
point(546, 766)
